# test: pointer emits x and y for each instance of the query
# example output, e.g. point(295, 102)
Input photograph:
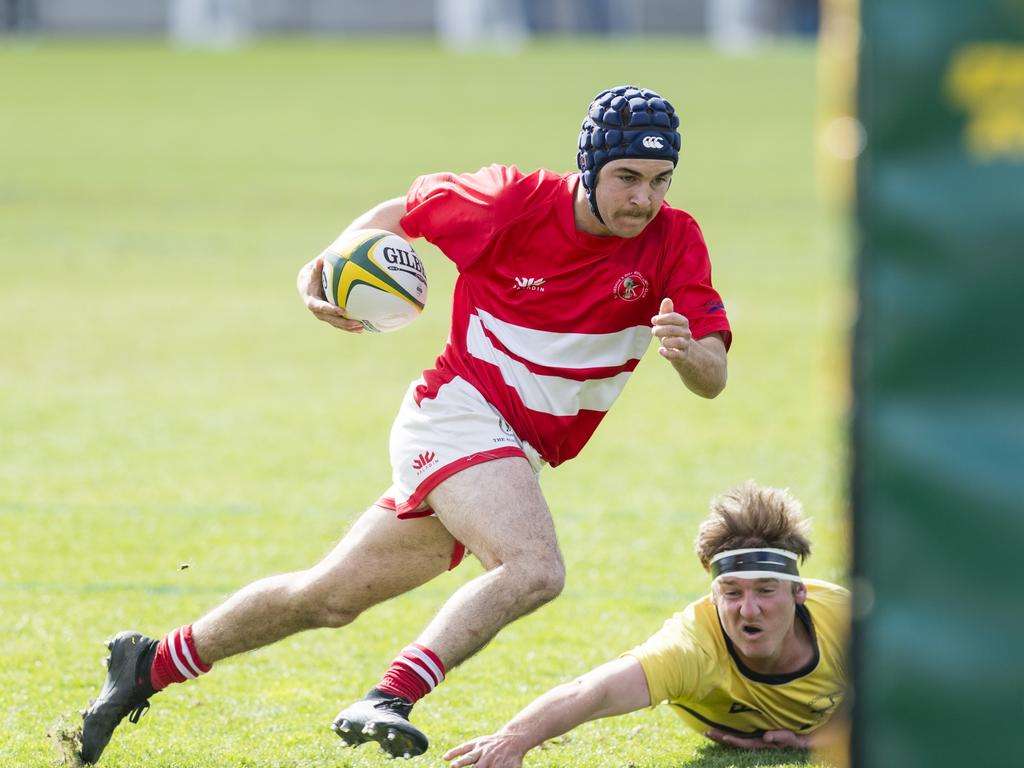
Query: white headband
point(758, 563)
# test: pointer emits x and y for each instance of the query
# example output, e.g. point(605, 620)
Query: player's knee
point(542, 581)
point(335, 616)
point(552, 583)
point(334, 611)
point(320, 606)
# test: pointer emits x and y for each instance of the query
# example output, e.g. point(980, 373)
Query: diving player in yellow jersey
point(758, 663)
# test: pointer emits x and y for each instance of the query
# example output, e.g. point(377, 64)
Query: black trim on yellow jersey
point(777, 679)
point(728, 729)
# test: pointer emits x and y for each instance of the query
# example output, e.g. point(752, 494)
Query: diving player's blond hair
point(751, 516)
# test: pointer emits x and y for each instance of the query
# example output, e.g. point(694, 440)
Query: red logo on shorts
point(424, 460)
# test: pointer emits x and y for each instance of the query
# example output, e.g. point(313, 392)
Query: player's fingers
point(671, 331)
point(670, 319)
point(729, 740)
point(316, 304)
point(459, 750)
point(784, 739)
point(677, 344)
point(314, 275)
point(666, 306)
point(470, 758)
point(343, 323)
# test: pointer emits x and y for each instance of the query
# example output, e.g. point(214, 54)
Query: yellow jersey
point(690, 663)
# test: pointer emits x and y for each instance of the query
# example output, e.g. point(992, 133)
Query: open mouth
point(752, 631)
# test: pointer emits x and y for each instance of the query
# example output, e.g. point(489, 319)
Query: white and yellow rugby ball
point(376, 277)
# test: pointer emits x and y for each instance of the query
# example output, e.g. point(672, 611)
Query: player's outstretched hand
point(672, 331)
point(769, 740)
point(312, 292)
point(494, 751)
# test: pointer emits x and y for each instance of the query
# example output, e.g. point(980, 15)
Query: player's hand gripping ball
point(376, 278)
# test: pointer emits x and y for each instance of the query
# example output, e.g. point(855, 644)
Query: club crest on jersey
point(631, 286)
point(823, 705)
point(530, 283)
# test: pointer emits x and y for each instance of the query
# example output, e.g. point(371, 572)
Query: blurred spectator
point(18, 15)
point(481, 24)
point(209, 23)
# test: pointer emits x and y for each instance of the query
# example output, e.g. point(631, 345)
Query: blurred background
point(857, 167)
point(458, 21)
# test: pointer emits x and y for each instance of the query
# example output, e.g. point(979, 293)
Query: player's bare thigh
point(378, 558)
point(498, 511)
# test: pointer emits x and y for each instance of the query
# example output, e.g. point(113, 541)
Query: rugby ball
point(376, 277)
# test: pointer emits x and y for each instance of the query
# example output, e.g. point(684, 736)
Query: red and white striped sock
point(176, 660)
point(413, 674)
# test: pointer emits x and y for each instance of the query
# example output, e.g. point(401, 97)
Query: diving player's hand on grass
point(311, 290)
point(672, 331)
point(495, 751)
point(769, 740)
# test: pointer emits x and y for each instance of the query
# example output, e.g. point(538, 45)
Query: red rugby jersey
point(549, 322)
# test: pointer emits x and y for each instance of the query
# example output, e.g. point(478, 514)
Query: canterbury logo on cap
point(653, 142)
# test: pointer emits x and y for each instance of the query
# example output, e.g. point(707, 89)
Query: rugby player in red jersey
point(563, 281)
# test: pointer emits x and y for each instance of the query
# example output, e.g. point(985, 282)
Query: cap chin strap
point(592, 199)
point(756, 563)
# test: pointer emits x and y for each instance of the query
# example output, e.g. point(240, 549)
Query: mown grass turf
point(166, 400)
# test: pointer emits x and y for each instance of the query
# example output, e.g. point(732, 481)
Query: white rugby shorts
point(438, 436)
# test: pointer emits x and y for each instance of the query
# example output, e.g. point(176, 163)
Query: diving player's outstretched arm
point(614, 688)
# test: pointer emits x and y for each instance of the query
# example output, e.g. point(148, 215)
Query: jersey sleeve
point(687, 281)
point(830, 610)
point(459, 213)
point(673, 661)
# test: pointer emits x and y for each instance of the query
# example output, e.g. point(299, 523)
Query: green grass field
point(165, 399)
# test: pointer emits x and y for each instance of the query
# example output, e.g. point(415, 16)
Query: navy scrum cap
point(625, 122)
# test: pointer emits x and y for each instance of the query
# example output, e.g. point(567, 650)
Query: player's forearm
point(387, 215)
point(704, 370)
point(556, 712)
point(560, 710)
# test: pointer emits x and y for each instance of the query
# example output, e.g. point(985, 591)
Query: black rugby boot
point(383, 718)
point(126, 691)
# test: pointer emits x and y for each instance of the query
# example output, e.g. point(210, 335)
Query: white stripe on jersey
point(569, 350)
point(171, 645)
point(553, 395)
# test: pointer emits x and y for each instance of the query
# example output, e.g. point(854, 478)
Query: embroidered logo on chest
point(631, 286)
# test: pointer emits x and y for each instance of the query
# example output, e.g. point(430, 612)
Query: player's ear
point(799, 593)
